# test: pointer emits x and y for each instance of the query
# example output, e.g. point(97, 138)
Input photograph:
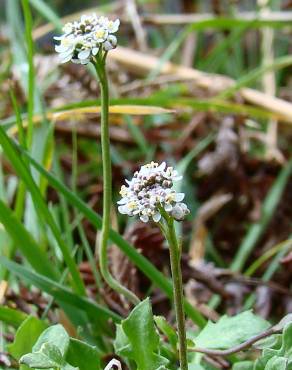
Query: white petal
point(177, 213)
point(168, 207)
point(156, 217)
point(123, 210)
point(67, 28)
point(62, 48)
point(65, 58)
point(161, 167)
point(144, 218)
point(179, 197)
point(123, 201)
point(83, 18)
point(103, 21)
point(95, 51)
point(107, 46)
point(76, 61)
point(112, 363)
point(84, 54)
point(114, 26)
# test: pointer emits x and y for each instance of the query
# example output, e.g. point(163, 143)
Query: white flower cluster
point(82, 40)
point(149, 191)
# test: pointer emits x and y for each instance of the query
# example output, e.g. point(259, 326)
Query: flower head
point(150, 191)
point(83, 39)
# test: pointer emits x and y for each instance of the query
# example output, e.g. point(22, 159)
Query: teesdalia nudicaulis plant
point(151, 196)
point(88, 41)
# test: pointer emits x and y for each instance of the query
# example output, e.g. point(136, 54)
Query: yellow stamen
point(99, 34)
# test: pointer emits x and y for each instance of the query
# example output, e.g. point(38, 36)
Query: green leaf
point(277, 363)
point(230, 331)
point(287, 341)
point(49, 350)
point(166, 329)
point(26, 336)
point(38, 360)
point(121, 343)
point(83, 355)
point(49, 356)
point(139, 330)
point(55, 335)
point(11, 316)
point(243, 365)
point(52, 352)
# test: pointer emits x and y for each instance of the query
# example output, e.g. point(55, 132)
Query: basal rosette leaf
point(278, 363)
point(243, 365)
point(55, 335)
point(278, 357)
point(83, 355)
point(230, 331)
point(138, 340)
point(49, 351)
point(49, 356)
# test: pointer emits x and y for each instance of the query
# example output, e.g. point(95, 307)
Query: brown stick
point(141, 64)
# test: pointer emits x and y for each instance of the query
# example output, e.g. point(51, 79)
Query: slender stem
point(238, 348)
point(107, 187)
point(174, 251)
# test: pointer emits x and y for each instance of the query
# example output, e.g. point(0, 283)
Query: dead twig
point(141, 64)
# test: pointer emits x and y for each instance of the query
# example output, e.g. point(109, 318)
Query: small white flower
point(150, 191)
point(110, 43)
point(179, 211)
point(83, 39)
point(68, 28)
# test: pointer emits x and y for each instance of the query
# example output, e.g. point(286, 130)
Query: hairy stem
point(175, 253)
point(107, 187)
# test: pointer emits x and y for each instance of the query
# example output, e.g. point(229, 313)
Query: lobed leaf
point(139, 331)
point(26, 336)
point(230, 331)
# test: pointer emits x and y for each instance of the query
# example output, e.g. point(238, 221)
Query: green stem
point(107, 187)
point(175, 254)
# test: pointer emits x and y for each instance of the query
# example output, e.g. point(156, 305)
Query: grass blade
point(31, 72)
point(256, 230)
point(23, 240)
point(43, 9)
point(23, 172)
point(279, 63)
point(11, 316)
point(60, 293)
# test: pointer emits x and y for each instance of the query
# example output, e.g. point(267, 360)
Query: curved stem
point(175, 253)
point(107, 187)
point(238, 348)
